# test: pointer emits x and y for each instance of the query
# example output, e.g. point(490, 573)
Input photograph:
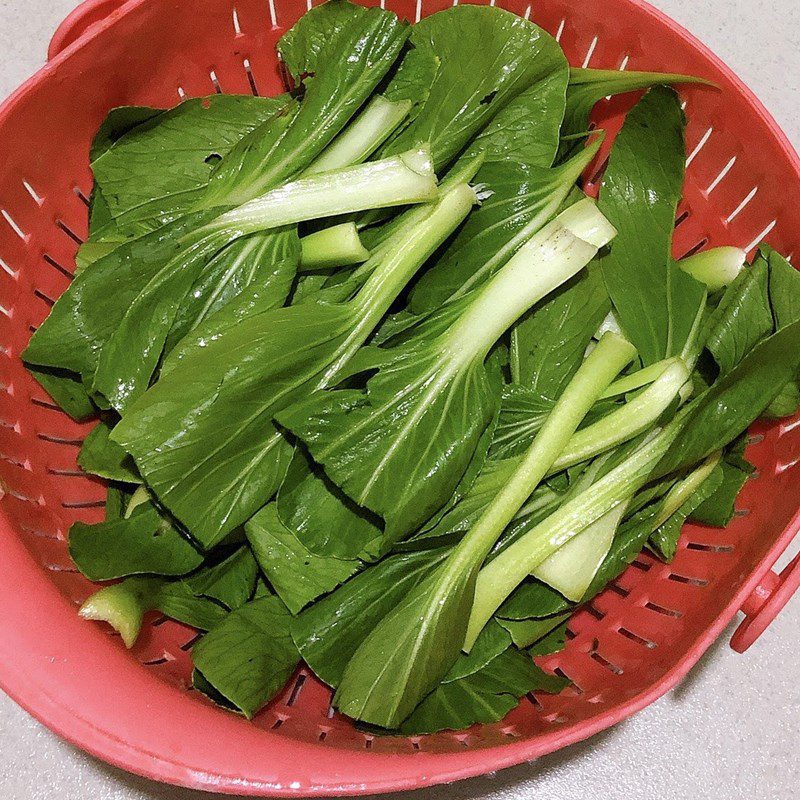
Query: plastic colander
point(136, 709)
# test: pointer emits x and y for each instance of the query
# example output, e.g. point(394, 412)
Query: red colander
point(136, 709)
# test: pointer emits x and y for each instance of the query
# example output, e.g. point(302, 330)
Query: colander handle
point(87, 14)
point(767, 600)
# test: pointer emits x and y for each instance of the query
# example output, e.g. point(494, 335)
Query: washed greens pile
point(394, 425)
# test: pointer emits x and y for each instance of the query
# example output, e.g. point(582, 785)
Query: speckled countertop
point(731, 731)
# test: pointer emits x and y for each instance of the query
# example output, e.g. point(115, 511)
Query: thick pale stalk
point(571, 569)
point(338, 246)
point(684, 489)
point(610, 356)
point(550, 258)
point(636, 380)
point(362, 137)
point(396, 262)
point(501, 576)
point(632, 419)
point(716, 268)
point(400, 180)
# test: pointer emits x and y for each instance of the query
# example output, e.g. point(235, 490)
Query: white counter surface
point(730, 732)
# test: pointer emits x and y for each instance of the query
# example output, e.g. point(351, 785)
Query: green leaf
point(329, 632)
point(527, 129)
point(118, 122)
point(550, 341)
point(214, 405)
point(482, 697)
point(467, 88)
point(230, 582)
point(100, 456)
point(656, 302)
point(784, 287)
point(225, 456)
point(407, 423)
point(265, 263)
point(742, 318)
point(156, 170)
point(298, 575)
point(543, 636)
point(408, 653)
point(337, 53)
point(65, 389)
point(727, 409)
point(324, 519)
point(144, 543)
point(719, 508)
point(665, 538)
point(589, 86)
point(524, 198)
point(250, 655)
point(129, 357)
point(94, 305)
point(534, 600)
point(522, 412)
point(116, 499)
point(494, 639)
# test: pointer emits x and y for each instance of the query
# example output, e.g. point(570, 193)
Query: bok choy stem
point(337, 246)
point(501, 576)
point(716, 268)
point(563, 248)
point(610, 356)
point(399, 180)
point(642, 377)
point(363, 136)
point(630, 420)
point(397, 265)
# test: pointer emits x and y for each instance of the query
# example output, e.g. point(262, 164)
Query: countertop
point(731, 731)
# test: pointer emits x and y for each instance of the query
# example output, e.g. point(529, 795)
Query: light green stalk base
point(362, 137)
point(632, 419)
point(400, 180)
point(338, 246)
point(550, 258)
point(610, 356)
point(716, 268)
point(502, 575)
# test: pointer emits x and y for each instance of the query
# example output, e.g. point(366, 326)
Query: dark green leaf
point(484, 696)
point(250, 655)
point(656, 302)
point(549, 343)
point(67, 390)
point(203, 435)
point(719, 508)
point(486, 57)
point(94, 305)
point(784, 287)
point(157, 169)
point(742, 318)
point(145, 543)
point(297, 575)
point(492, 641)
point(324, 519)
point(100, 456)
point(399, 426)
point(116, 499)
point(330, 631)
point(588, 86)
point(541, 635)
point(727, 409)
